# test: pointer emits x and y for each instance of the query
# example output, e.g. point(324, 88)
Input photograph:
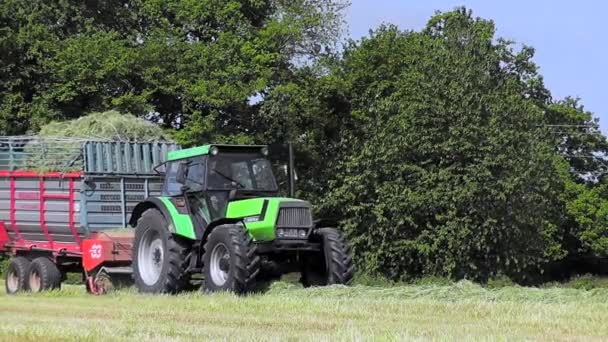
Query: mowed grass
point(289, 312)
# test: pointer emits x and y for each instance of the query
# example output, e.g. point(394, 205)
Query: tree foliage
point(439, 159)
point(174, 61)
point(440, 151)
point(583, 149)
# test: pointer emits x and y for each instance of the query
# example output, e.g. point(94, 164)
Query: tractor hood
point(262, 216)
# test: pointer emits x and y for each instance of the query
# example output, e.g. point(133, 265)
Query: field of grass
point(289, 312)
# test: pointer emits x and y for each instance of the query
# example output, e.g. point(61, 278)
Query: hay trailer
point(64, 204)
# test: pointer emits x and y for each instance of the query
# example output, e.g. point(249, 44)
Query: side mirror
point(182, 173)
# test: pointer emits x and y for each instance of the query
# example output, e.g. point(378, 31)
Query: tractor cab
point(210, 176)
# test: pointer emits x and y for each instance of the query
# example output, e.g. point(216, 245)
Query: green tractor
point(220, 216)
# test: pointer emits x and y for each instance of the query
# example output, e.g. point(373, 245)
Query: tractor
point(220, 219)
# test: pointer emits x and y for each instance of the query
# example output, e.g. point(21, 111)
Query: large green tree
point(444, 162)
point(192, 65)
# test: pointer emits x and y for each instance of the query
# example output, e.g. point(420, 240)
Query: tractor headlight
point(291, 233)
point(214, 151)
point(264, 151)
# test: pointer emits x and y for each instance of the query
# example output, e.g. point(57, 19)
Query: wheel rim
point(219, 264)
point(150, 257)
point(12, 281)
point(35, 282)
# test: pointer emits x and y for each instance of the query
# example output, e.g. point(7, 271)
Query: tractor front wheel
point(333, 265)
point(230, 260)
point(159, 258)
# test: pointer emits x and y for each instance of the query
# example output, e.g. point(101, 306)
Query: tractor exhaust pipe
point(291, 172)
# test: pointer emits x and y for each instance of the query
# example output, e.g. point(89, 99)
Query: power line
point(565, 125)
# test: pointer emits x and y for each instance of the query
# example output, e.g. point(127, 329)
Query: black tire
point(16, 275)
point(173, 277)
point(334, 265)
point(242, 265)
point(43, 275)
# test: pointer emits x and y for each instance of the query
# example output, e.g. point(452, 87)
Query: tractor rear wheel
point(230, 260)
point(16, 275)
point(43, 275)
point(333, 265)
point(160, 259)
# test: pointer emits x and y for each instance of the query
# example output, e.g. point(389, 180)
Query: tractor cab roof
point(212, 149)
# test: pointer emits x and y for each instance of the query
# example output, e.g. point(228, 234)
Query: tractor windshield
point(246, 171)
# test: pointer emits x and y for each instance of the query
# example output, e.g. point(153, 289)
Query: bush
point(73, 279)
point(586, 282)
point(4, 262)
point(500, 282)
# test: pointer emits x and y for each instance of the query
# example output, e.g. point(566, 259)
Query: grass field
point(288, 312)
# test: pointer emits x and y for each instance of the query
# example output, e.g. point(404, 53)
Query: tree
point(582, 150)
point(175, 62)
point(578, 139)
point(449, 170)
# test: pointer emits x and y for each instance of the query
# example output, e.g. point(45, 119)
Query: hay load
point(110, 125)
point(58, 145)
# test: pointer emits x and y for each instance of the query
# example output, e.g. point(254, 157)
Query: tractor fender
point(219, 222)
point(180, 222)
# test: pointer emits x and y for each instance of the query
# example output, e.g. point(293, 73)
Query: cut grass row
point(288, 312)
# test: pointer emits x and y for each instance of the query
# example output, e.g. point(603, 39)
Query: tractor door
point(194, 195)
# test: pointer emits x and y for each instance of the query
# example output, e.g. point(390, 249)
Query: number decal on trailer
point(95, 251)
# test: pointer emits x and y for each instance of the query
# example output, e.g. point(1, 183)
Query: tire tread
point(21, 265)
point(247, 261)
point(177, 278)
point(339, 266)
point(50, 276)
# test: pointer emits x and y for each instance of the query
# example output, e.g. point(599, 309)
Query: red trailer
point(72, 218)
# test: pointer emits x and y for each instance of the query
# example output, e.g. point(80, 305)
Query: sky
point(570, 37)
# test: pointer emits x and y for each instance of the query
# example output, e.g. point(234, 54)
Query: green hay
point(58, 146)
point(110, 125)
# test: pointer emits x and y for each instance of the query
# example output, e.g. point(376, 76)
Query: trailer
point(65, 205)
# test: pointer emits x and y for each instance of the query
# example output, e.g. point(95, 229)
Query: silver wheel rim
point(219, 264)
point(35, 282)
point(12, 282)
point(150, 256)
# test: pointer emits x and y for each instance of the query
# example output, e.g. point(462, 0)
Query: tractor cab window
point(246, 171)
point(172, 187)
point(196, 174)
point(194, 179)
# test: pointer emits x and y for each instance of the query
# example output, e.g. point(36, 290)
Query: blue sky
point(570, 37)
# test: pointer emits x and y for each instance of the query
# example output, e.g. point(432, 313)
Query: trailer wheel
point(334, 265)
point(230, 261)
point(159, 258)
point(16, 275)
point(43, 275)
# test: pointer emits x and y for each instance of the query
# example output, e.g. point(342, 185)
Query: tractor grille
point(294, 217)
